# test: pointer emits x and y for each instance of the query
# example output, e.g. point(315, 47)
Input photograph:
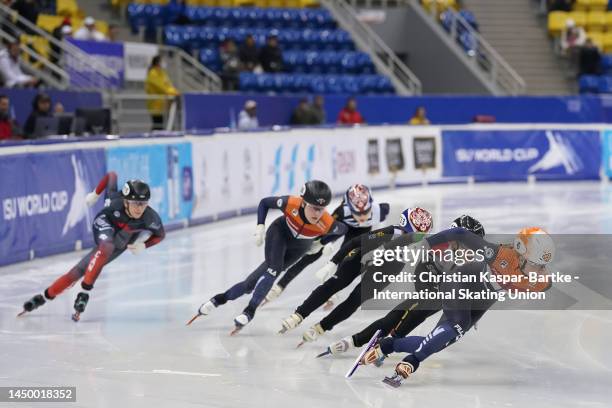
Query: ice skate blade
point(392, 382)
point(76, 317)
point(323, 354)
point(235, 331)
point(22, 313)
point(283, 330)
point(300, 344)
point(193, 318)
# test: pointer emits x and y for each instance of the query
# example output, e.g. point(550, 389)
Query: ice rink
point(132, 348)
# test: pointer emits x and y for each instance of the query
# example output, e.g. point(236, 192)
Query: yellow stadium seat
point(243, 3)
point(68, 8)
point(609, 21)
point(556, 22)
point(582, 5)
point(598, 5)
point(579, 17)
point(596, 21)
point(309, 3)
point(208, 3)
point(597, 38)
point(276, 3)
point(261, 3)
point(607, 43)
point(48, 22)
point(224, 3)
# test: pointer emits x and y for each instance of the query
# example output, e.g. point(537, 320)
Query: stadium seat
point(607, 42)
point(598, 5)
point(579, 17)
point(598, 39)
point(605, 83)
point(606, 63)
point(556, 22)
point(588, 84)
point(596, 21)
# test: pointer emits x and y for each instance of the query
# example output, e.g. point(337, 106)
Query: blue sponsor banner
point(109, 53)
point(514, 155)
point(43, 202)
point(168, 171)
point(607, 152)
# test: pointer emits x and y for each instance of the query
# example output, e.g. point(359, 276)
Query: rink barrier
point(198, 179)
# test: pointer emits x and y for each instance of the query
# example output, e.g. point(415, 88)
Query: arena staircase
point(513, 29)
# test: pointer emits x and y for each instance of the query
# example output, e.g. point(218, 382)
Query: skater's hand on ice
point(136, 247)
point(260, 233)
point(328, 249)
point(91, 198)
point(326, 271)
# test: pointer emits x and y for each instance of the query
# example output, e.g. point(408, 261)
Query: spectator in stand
point(249, 54)
point(29, 10)
point(572, 38)
point(41, 107)
point(113, 32)
point(560, 5)
point(349, 115)
point(60, 32)
point(9, 128)
point(89, 32)
point(11, 70)
point(419, 117)
point(247, 118)
point(271, 56)
point(303, 114)
point(318, 110)
point(230, 61)
point(158, 83)
point(589, 59)
point(179, 9)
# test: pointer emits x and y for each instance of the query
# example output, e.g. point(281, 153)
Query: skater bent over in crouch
point(288, 238)
point(127, 222)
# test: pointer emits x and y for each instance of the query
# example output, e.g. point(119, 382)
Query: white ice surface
point(132, 349)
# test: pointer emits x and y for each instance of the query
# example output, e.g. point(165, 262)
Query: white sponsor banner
point(137, 58)
point(226, 173)
point(234, 171)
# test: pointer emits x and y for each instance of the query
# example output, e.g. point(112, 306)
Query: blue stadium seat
point(590, 84)
point(470, 18)
point(210, 58)
point(248, 82)
point(605, 84)
point(606, 63)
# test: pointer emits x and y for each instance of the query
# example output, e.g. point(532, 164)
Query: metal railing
point(494, 67)
point(50, 74)
point(384, 59)
point(90, 73)
point(187, 73)
point(131, 115)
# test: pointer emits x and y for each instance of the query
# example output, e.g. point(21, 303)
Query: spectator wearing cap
point(247, 118)
point(271, 56)
point(572, 38)
point(9, 128)
point(349, 115)
point(41, 107)
point(89, 32)
point(11, 70)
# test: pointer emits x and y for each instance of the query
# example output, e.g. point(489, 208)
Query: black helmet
point(316, 192)
point(136, 190)
point(470, 224)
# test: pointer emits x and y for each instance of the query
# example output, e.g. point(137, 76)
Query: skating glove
point(91, 198)
point(136, 247)
point(326, 271)
point(260, 234)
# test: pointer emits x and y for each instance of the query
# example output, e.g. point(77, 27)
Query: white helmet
point(535, 245)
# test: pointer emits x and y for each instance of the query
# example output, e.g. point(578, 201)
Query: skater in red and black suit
point(126, 222)
point(288, 239)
